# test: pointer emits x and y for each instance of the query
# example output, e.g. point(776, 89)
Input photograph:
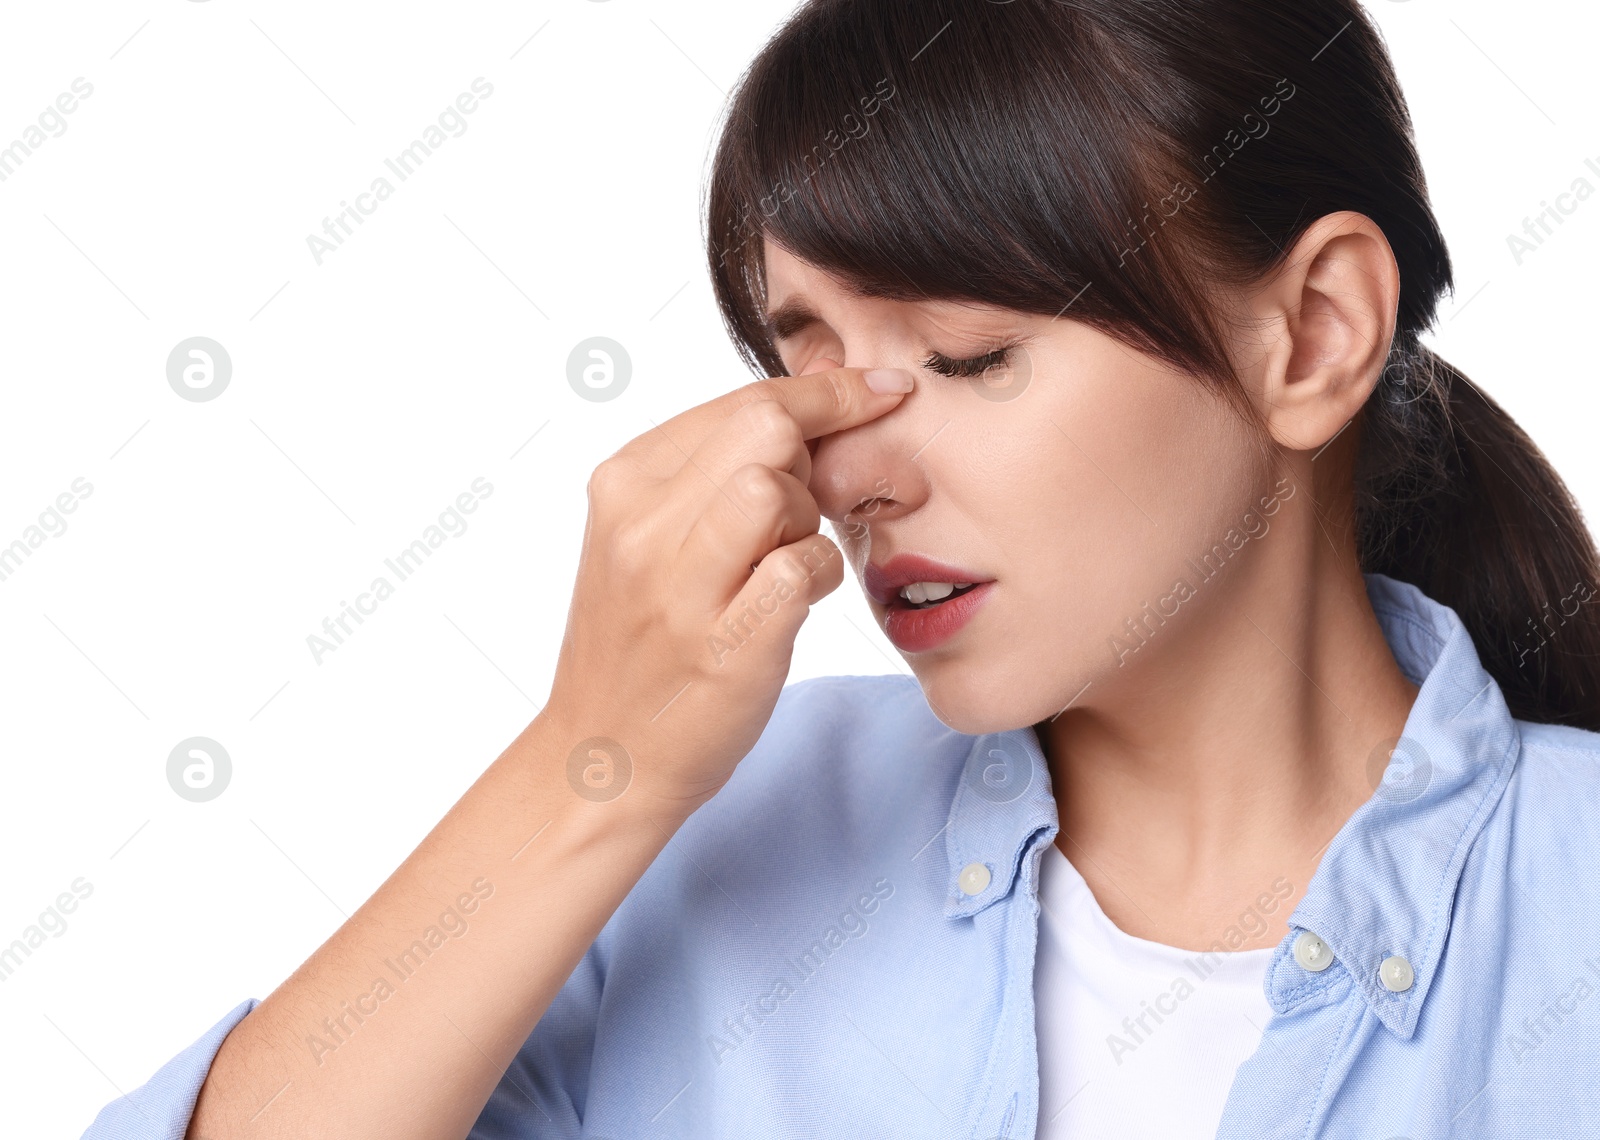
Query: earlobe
point(1333, 304)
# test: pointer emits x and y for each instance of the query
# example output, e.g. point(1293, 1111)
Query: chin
point(975, 705)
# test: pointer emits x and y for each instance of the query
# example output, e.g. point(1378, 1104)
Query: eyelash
point(973, 366)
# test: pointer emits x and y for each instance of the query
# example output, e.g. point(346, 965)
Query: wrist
point(585, 771)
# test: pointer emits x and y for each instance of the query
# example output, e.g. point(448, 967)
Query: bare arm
point(418, 1053)
point(389, 1031)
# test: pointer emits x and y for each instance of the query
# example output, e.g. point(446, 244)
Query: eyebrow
point(796, 315)
point(790, 318)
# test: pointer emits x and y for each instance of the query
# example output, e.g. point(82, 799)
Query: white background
point(369, 391)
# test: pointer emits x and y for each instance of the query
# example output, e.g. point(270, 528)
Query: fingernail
point(887, 380)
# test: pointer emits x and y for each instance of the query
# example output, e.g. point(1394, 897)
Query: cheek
point(1095, 496)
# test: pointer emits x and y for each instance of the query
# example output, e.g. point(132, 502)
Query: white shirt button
point(1312, 952)
point(974, 878)
point(1395, 974)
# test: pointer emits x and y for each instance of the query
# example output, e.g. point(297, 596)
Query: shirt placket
point(999, 827)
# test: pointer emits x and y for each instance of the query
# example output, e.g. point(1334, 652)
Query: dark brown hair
point(1122, 158)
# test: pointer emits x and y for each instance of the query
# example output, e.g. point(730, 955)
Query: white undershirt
point(1100, 1077)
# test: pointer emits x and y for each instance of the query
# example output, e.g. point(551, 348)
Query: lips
point(921, 629)
point(883, 583)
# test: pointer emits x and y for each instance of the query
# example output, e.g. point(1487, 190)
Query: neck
point(1216, 767)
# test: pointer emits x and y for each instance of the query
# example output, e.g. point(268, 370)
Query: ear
point(1326, 320)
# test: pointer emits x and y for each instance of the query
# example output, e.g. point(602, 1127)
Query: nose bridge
point(874, 460)
point(877, 459)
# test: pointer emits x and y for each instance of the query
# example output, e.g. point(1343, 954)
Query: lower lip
point(917, 631)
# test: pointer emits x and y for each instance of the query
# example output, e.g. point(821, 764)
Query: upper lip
point(883, 583)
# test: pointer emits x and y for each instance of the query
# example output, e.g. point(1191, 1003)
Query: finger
point(820, 402)
point(775, 602)
point(821, 364)
point(778, 597)
point(762, 432)
point(757, 511)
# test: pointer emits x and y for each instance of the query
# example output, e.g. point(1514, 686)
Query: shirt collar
point(1003, 799)
point(1387, 883)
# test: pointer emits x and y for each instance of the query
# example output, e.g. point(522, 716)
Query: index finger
point(820, 402)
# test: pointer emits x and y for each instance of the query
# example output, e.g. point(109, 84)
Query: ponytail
point(1454, 498)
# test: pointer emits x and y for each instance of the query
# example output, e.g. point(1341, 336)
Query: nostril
point(860, 516)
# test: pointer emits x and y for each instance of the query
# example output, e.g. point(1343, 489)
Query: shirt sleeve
point(541, 1096)
point(160, 1108)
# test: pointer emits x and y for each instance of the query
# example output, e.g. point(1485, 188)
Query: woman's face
point(1081, 481)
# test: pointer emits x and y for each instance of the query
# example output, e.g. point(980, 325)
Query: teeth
point(919, 592)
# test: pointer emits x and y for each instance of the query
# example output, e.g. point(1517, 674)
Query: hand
point(701, 558)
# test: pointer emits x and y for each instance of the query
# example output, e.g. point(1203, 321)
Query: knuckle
point(758, 486)
point(631, 550)
point(607, 480)
point(770, 418)
point(759, 390)
point(841, 396)
point(631, 553)
point(819, 562)
point(790, 434)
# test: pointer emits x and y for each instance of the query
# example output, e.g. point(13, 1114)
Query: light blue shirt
point(841, 942)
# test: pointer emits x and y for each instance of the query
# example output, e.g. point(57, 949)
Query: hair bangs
point(874, 142)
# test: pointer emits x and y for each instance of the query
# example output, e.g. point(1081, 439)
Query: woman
point(1247, 782)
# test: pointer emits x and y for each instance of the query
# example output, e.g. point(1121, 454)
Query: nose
point(865, 475)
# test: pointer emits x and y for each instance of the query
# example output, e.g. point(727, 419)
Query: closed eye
point(971, 366)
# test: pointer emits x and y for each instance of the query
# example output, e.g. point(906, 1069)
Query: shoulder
point(851, 772)
point(1558, 771)
point(840, 742)
point(1543, 836)
point(893, 691)
point(846, 710)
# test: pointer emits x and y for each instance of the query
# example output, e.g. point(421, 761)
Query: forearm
point(387, 1031)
